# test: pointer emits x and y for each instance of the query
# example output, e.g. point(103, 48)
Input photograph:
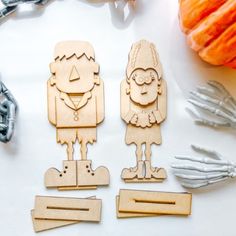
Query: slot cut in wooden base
point(122, 215)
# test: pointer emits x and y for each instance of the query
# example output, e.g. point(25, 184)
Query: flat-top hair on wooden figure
point(75, 108)
point(143, 108)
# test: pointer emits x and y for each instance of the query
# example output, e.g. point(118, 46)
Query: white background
point(27, 42)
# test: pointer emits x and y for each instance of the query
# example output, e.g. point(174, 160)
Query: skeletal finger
point(218, 86)
point(213, 110)
point(202, 184)
point(194, 185)
point(213, 124)
point(216, 102)
point(202, 169)
point(3, 110)
point(206, 160)
point(209, 152)
point(3, 127)
point(199, 120)
point(201, 177)
point(207, 91)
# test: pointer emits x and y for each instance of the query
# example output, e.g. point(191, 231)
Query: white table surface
point(27, 42)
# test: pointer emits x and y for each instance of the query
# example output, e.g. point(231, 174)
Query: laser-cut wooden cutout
point(150, 202)
point(43, 225)
point(75, 108)
point(70, 209)
point(143, 108)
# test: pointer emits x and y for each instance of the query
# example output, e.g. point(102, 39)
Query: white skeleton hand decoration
point(205, 171)
point(216, 100)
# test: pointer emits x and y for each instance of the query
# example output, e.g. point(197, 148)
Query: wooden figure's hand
point(158, 116)
point(143, 120)
point(52, 94)
point(134, 119)
point(152, 118)
point(129, 116)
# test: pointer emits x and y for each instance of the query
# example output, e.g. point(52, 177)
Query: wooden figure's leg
point(83, 150)
point(148, 152)
point(152, 172)
point(137, 171)
point(70, 151)
point(139, 152)
point(148, 166)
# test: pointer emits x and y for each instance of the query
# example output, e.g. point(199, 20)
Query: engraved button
point(76, 118)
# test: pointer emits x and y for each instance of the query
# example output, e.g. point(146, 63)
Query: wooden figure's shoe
point(154, 172)
point(131, 173)
point(66, 178)
point(86, 176)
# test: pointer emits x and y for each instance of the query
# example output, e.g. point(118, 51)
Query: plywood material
point(45, 224)
point(150, 202)
point(122, 215)
point(72, 209)
point(77, 188)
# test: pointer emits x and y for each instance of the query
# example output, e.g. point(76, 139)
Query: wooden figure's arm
point(160, 113)
point(127, 114)
point(100, 107)
point(52, 93)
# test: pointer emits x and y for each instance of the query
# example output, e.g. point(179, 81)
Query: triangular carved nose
point(144, 89)
point(74, 74)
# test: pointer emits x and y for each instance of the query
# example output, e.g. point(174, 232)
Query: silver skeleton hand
point(216, 100)
point(8, 109)
point(11, 5)
point(196, 172)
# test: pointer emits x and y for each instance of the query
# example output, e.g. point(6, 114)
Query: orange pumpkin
point(210, 26)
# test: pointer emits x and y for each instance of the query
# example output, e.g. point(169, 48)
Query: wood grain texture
point(72, 209)
point(150, 202)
